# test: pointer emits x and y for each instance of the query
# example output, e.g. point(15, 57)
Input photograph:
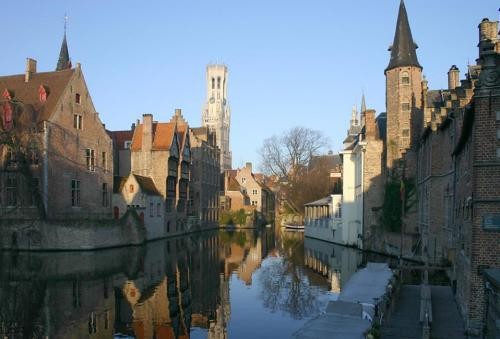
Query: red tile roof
point(163, 135)
point(27, 92)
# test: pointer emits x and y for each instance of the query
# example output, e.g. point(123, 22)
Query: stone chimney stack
point(249, 166)
point(147, 132)
point(488, 37)
point(30, 69)
point(453, 77)
point(370, 125)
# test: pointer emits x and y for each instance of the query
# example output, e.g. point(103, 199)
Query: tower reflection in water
point(175, 288)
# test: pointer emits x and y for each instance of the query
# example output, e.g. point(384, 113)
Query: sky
point(291, 63)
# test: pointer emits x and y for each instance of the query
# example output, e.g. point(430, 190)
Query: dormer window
point(77, 98)
point(43, 92)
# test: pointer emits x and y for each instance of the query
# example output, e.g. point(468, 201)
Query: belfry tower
point(403, 95)
point(216, 113)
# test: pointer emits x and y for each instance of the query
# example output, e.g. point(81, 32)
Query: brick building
point(205, 175)
point(159, 151)
point(55, 156)
point(459, 177)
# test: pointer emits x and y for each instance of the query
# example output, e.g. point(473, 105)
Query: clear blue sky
point(290, 62)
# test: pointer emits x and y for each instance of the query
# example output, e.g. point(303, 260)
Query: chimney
point(147, 132)
point(453, 77)
point(488, 32)
point(30, 69)
point(370, 126)
point(249, 166)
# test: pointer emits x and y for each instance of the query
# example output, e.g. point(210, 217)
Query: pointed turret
point(403, 50)
point(63, 62)
point(363, 103)
point(363, 110)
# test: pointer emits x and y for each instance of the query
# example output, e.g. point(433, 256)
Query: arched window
point(213, 83)
point(218, 82)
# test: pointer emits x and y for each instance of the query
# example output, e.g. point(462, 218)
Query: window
point(32, 192)
point(254, 202)
point(127, 144)
point(131, 188)
point(498, 115)
point(405, 106)
point(104, 160)
point(498, 133)
point(75, 193)
point(243, 180)
point(213, 83)
point(405, 79)
point(158, 209)
point(151, 209)
point(254, 192)
point(77, 98)
point(11, 159)
point(77, 121)
point(11, 189)
point(218, 82)
point(105, 195)
point(90, 159)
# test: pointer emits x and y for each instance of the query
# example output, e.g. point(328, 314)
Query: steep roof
point(119, 138)
point(118, 183)
point(163, 134)
point(147, 185)
point(27, 92)
point(403, 49)
point(233, 184)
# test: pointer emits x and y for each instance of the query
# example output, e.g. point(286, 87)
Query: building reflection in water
point(335, 262)
point(166, 288)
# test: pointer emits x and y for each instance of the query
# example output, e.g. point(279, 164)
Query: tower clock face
point(212, 100)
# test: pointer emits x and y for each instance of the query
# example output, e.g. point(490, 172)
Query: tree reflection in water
point(285, 286)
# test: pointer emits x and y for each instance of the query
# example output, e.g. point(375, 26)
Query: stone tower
point(216, 114)
point(403, 96)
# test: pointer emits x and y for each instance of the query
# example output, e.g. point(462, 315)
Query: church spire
point(403, 49)
point(64, 62)
point(363, 110)
point(363, 103)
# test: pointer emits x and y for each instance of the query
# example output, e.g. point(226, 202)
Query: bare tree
point(285, 155)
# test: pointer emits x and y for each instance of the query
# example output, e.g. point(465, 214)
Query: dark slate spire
point(403, 50)
point(63, 62)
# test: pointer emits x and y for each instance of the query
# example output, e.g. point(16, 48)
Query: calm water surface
point(242, 284)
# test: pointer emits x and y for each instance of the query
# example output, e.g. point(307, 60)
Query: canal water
point(218, 284)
